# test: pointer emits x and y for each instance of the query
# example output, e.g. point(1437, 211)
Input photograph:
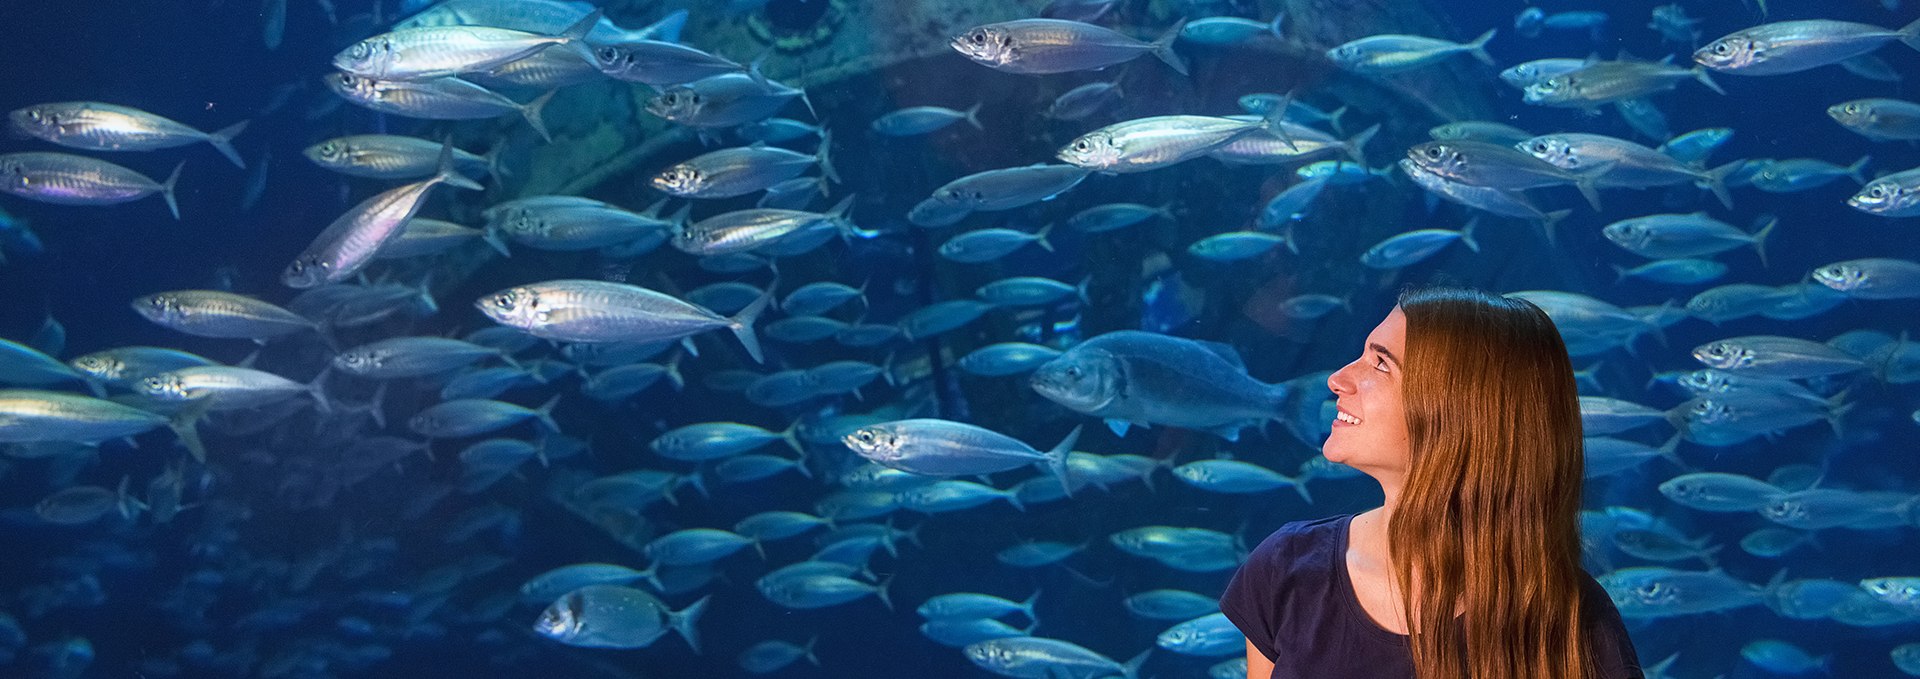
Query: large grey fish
point(1040, 46)
point(725, 100)
point(1509, 203)
point(390, 156)
point(659, 63)
point(66, 179)
point(569, 226)
point(98, 126)
point(436, 99)
point(1879, 119)
point(1607, 82)
point(439, 51)
point(122, 366)
point(750, 229)
point(31, 415)
point(739, 171)
point(1893, 195)
point(355, 238)
point(1776, 357)
point(1648, 592)
point(397, 357)
point(1042, 658)
point(212, 313)
point(1684, 235)
point(219, 387)
point(1499, 166)
point(539, 16)
point(1626, 164)
point(465, 417)
point(1794, 46)
point(1872, 278)
point(1155, 142)
point(599, 311)
point(1140, 378)
point(946, 448)
point(1381, 54)
point(612, 616)
point(1008, 188)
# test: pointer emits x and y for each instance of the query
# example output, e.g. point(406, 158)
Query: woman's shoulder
point(1296, 541)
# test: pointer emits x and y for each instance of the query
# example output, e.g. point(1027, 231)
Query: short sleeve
point(1611, 647)
point(1251, 599)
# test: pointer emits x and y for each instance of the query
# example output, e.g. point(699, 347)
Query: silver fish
point(1412, 247)
point(1524, 74)
point(398, 357)
point(122, 366)
point(945, 448)
point(212, 313)
point(1879, 119)
point(1607, 82)
point(1381, 54)
point(31, 415)
point(1684, 235)
point(1149, 143)
point(918, 120)
point(1794, 46)
point(725, 100)
point(353, 240)
point(388, 156)
point(659, 63)
point(436, 99)
point(1041, 46)
point(1776, 357)
point(1007, 188)
point(598, 311)
point(747, 230)
point(422, 237)
point(1872, 278)
point(220, 387)
point(65, 179)
point(568, 226)
point(1498, 166)
point(1625, 163)
point(434, 52)
point(739, 171)
point(1893, 195)
point(98, 126)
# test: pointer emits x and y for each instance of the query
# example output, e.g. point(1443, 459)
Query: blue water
point(280, 549)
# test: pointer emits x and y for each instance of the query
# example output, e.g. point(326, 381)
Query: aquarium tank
point(916, 338)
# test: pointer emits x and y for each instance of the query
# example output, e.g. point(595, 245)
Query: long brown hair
point(1489, 517)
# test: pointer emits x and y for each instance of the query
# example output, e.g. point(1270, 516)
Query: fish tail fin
point(667, 29)
point(825, 158)
point(1013, 498)
point(1619, 274)
point(1478, 48)
point(1551, 220)
point(1910, 34)
point(1279, 21)
point(316, 389)
point(447, 173)
point(742, 324)
point(222, 141)
point(1300, 486)
point(1760, 238)
point(545, 414)
point(166, 190)
point(1356, 144)
point(1057, 460)
point(532, 110)
point(1132, 669)
point(493, 239)
point(1027, 606)
point(880, 591)
point(1705, 77)
point(973, 115)
point(1466, 234)
point(1163, 47)
point(1587, 187)
point(184, 426)
point(683, 621)
point(1040, 237)
point(1716, 181)
point(1858, 170)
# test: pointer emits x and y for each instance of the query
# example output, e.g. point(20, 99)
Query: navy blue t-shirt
point(1293, 601)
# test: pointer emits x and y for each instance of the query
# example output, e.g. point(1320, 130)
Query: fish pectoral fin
point(1119, 427)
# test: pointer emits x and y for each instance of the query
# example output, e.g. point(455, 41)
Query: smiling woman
point(1462, 406)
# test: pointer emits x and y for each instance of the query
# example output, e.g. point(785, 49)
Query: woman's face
point(1370, 432)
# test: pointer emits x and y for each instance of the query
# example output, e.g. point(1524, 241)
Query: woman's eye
point(1380, 363)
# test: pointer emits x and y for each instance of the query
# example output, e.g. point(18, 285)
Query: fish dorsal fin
point(1224, 351)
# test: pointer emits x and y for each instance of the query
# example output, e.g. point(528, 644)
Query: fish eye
point(1876, 192)
point(1852, 108)
point(1073, 371)
point(1540, 147)
point(1433, 152)
point(34, 115)
point(977, 37)
point(1081, 145)
point(504, 301)
point(1720, 48)
point(606, 54)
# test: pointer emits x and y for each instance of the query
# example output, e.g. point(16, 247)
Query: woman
point(1462, 406)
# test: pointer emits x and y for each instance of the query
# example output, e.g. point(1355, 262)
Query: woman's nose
point(1338, 381)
